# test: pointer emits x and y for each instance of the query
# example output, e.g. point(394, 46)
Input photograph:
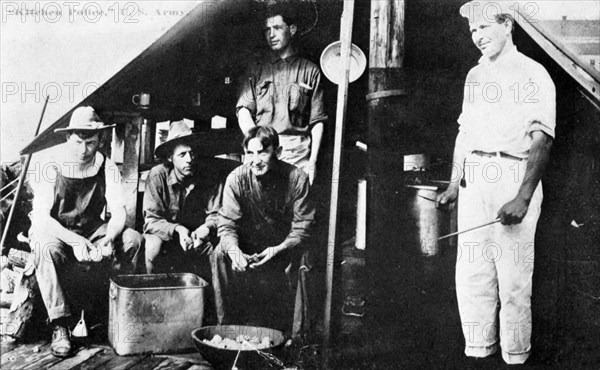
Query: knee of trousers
point(132, 241)
point(153, 243)
point(46, 248)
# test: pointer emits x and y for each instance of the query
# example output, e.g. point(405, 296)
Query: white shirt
point(504, 102)
point(44, 170)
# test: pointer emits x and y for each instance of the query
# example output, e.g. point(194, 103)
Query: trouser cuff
point(480, 352)
point(515, 358)
point(58, 312)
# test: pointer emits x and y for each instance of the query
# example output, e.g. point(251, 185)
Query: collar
point(511, 54)
point(274, 58)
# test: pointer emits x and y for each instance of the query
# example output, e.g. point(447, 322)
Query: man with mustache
point(67, 225)
point(506, 129)
point(181, 201)
point(283, 91)
point(265, 226)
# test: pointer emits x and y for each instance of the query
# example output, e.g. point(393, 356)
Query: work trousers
point(494, 264)
point(170, 257)
point(56, 265)
point(270, 296)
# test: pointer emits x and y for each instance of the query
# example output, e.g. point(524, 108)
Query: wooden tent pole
point(342, 99)
point(24, 169)
point(387, 114)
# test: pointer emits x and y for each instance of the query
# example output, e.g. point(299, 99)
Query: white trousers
point(494, 264)
point(296, 150)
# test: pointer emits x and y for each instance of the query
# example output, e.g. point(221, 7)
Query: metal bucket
point(429, 223)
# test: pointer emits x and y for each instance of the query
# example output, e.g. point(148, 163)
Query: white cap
point(486, 9)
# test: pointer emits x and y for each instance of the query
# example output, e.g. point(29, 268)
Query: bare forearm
point(536, 164)
point(53, 227)
point(316, 134)
point(116, 224)
point(245, 120)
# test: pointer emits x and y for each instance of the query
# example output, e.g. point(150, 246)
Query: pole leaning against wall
point(342, 99)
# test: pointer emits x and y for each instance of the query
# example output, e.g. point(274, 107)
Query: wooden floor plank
point(194, 358)
point(200, 367)
point(80, 357)
point(173, 364)
point(97, 360)
point(45, 362)
point(31, 358)
point(20, 355)
point(147, 363)
point(120, 362)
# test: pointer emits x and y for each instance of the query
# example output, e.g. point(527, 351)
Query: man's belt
point(497, 154)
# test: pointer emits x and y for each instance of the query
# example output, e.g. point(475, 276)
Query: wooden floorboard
point(37, 355)
point(120, 363)
point(149, 362)
point(173, 364)
point(21, 355)
point(98, 359)
point(79, 358)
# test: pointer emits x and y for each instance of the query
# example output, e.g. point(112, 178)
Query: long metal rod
point(9, 184)
point(24, 169)
point(471, 229)
point(342, 100)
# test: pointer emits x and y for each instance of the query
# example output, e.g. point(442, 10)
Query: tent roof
point(188, 58)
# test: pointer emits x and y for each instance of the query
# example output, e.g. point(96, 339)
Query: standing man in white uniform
point(502, 148)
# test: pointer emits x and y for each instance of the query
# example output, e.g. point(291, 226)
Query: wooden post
point(148, 141)
point(342, 99)
point(131, 162)
point(386, 112)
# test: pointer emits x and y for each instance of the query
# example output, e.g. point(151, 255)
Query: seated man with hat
point(67, 226)
point(265, 225)
point(181, 201)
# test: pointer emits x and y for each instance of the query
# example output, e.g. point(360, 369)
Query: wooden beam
point(131, 162)
point(387, 112)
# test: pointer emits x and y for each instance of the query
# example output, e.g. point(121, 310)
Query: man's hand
point(513, 212)
point(447, 200)
point(239, 260)
point(106, 247)
point(84, 250)
point(185, 239)
point(267, 255)
point(200, 235)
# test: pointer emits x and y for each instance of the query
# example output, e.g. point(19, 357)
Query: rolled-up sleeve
point(304, 214)
point(156, 207)
point(542, 104)
point(317, 105)
point(230, 214)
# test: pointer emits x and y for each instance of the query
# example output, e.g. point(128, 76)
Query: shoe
point(61, 343)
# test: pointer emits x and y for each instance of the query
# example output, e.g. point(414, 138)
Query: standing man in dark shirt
point(264, 225)
point(283, 91)
point(181, 200)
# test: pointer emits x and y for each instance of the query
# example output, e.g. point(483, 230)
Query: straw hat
point(84, 118)
point(179, 133)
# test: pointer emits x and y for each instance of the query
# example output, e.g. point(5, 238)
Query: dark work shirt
point(264, 212)
point(168, 204)
point(285, 94)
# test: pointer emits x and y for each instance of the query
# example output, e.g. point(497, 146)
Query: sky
point(67, 49)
